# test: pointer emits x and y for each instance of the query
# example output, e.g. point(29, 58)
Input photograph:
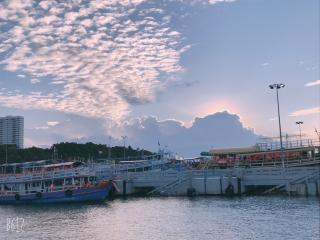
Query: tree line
point(68, 151)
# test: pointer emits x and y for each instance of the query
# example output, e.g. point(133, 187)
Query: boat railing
point(287, 161)
point(45, 175)
point(46, 189)
point(135, 166)
point(299, 160)
point(133, 158)
point(289, 144)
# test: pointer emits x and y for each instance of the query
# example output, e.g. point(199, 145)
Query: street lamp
point(277, 86)
point(299, 124)
point(124, 146)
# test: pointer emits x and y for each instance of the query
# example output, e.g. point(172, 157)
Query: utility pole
point(124, 146)
point(7, 141)
point(109, 149)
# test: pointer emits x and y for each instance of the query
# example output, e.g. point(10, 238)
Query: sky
point(190, 74)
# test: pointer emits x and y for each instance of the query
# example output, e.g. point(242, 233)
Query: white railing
point(293, 161)
point(286, 144)
point(45, 175)
point(43, 190)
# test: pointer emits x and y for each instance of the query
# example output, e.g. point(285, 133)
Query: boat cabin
point(257, 154)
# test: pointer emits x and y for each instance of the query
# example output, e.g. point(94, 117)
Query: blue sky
point(127, 61)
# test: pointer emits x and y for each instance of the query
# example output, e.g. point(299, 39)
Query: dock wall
point(295, 181)
point(208, 186)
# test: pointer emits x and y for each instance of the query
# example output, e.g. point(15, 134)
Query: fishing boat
point(51, 183)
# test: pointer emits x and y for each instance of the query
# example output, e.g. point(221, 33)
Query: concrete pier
point(302, 181)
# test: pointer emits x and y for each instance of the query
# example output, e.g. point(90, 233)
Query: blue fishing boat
point(51, 183)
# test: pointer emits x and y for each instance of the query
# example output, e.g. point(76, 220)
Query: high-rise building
point(11, 130)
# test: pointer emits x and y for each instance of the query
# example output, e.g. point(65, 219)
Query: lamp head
point(276, 85)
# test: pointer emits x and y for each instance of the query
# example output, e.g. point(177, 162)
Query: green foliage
point(67, 151)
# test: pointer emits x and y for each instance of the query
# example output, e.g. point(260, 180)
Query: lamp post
point(124, 146)
point(299, 124)
point(277, 86)
point(7, 141)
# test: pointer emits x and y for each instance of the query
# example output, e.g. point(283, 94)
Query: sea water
point(166, 218)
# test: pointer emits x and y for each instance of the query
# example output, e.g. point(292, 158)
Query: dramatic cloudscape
point(190, 74)
point(216, 130)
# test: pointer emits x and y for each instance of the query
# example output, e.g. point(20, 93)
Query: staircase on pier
point(298, 180)
point(164, 189)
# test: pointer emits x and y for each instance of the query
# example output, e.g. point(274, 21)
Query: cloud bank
point(217, 130)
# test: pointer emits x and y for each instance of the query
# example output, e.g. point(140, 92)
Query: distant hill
point(67, 151)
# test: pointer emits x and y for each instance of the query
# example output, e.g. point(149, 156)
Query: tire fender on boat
point(17, 197)
point(39, 195)
point(68, 193)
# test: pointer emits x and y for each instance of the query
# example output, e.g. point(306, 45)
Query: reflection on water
point(167, 218)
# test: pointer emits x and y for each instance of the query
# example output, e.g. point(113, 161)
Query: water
point(167, 218)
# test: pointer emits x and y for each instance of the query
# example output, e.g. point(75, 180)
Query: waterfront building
point(12, 130)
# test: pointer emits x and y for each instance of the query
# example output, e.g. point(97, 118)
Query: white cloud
point(273, 119)
point(314, 83)
point(52, 123)
point(100, 62)
point(34, 81)
point(105, 54)
point(306, 111)
point(206, 1)
point(45, 4)
point(21, 76)
point(265, 64)
point(41, 128)
point(216, 130)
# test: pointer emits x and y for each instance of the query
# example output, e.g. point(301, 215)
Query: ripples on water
point(169, 218)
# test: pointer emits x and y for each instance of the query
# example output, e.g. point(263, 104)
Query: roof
point(25, 164)
point(135, 161)
point(256, 149)
point(235, 150)
point(58, 164)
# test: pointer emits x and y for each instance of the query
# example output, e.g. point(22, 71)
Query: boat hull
point(98, 193)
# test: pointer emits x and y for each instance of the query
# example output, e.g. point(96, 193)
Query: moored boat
point(294, 154)
point(53, 183)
